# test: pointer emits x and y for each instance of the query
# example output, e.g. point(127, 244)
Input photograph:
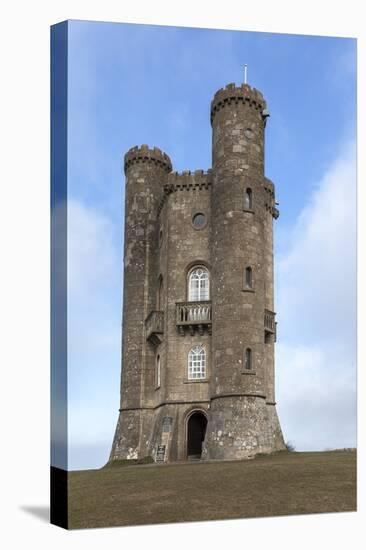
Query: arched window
point(197, 363)
point(158, 374)
point(248, 278)
point(198, 285)
point(248, 199)
point(248, 359)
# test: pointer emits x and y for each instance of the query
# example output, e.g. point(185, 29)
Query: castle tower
point(198, 315)
point(242, 416)
point(146, 172)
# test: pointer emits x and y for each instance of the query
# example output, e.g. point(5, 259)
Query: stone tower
point(198, 316)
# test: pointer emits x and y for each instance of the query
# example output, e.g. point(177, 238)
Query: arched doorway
point(196, 431)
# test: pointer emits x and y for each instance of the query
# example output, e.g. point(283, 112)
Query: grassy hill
point(285, 483)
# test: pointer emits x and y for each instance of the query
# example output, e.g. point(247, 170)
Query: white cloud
point(92, 255)
point(316, 278)
point(316, 353)
point(316, 393)
point(94, 329)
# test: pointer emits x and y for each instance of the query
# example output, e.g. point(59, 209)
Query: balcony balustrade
point(269, 321)
point(193, 316)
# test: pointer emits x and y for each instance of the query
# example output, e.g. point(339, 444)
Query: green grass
point(118, 463)
point(273, 485)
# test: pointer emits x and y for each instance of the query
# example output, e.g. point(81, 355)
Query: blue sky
point(133, 84)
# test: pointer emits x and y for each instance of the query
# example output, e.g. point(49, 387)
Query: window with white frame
point(197, 363)
point(198, 285)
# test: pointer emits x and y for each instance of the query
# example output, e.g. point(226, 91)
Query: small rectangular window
point(248, 359)
point(248, 283)
point(248, 201)
point(158, 372)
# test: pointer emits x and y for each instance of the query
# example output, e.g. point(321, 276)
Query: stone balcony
point(193, 317)
point(270, 322)
point(154, 327)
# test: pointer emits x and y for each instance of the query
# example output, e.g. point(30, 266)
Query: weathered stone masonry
point(215, 226)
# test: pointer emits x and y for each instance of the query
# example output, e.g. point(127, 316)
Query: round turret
point(235, 95)
point(146, 155)
point(238, 116)
point(146, 171)
point(242, 274)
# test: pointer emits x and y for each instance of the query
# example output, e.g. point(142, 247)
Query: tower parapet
point(233, 94)
point(145, 154)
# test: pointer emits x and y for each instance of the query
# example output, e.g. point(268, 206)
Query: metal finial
point(245, 73)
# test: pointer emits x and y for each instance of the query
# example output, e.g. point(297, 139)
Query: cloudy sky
point(134, 84)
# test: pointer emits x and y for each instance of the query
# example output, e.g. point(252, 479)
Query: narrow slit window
point(160, 294)
point(248, 359)
point(158, 374)
point(248, 281)
point(248, 199)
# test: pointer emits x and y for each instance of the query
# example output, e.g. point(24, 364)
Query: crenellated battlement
point(189, 180)
point(186, 181)
point(233, 94)
point(145, 154)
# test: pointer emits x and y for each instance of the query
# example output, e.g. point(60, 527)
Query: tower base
point(162, 433)
point(132, 436)
point(240, 427)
